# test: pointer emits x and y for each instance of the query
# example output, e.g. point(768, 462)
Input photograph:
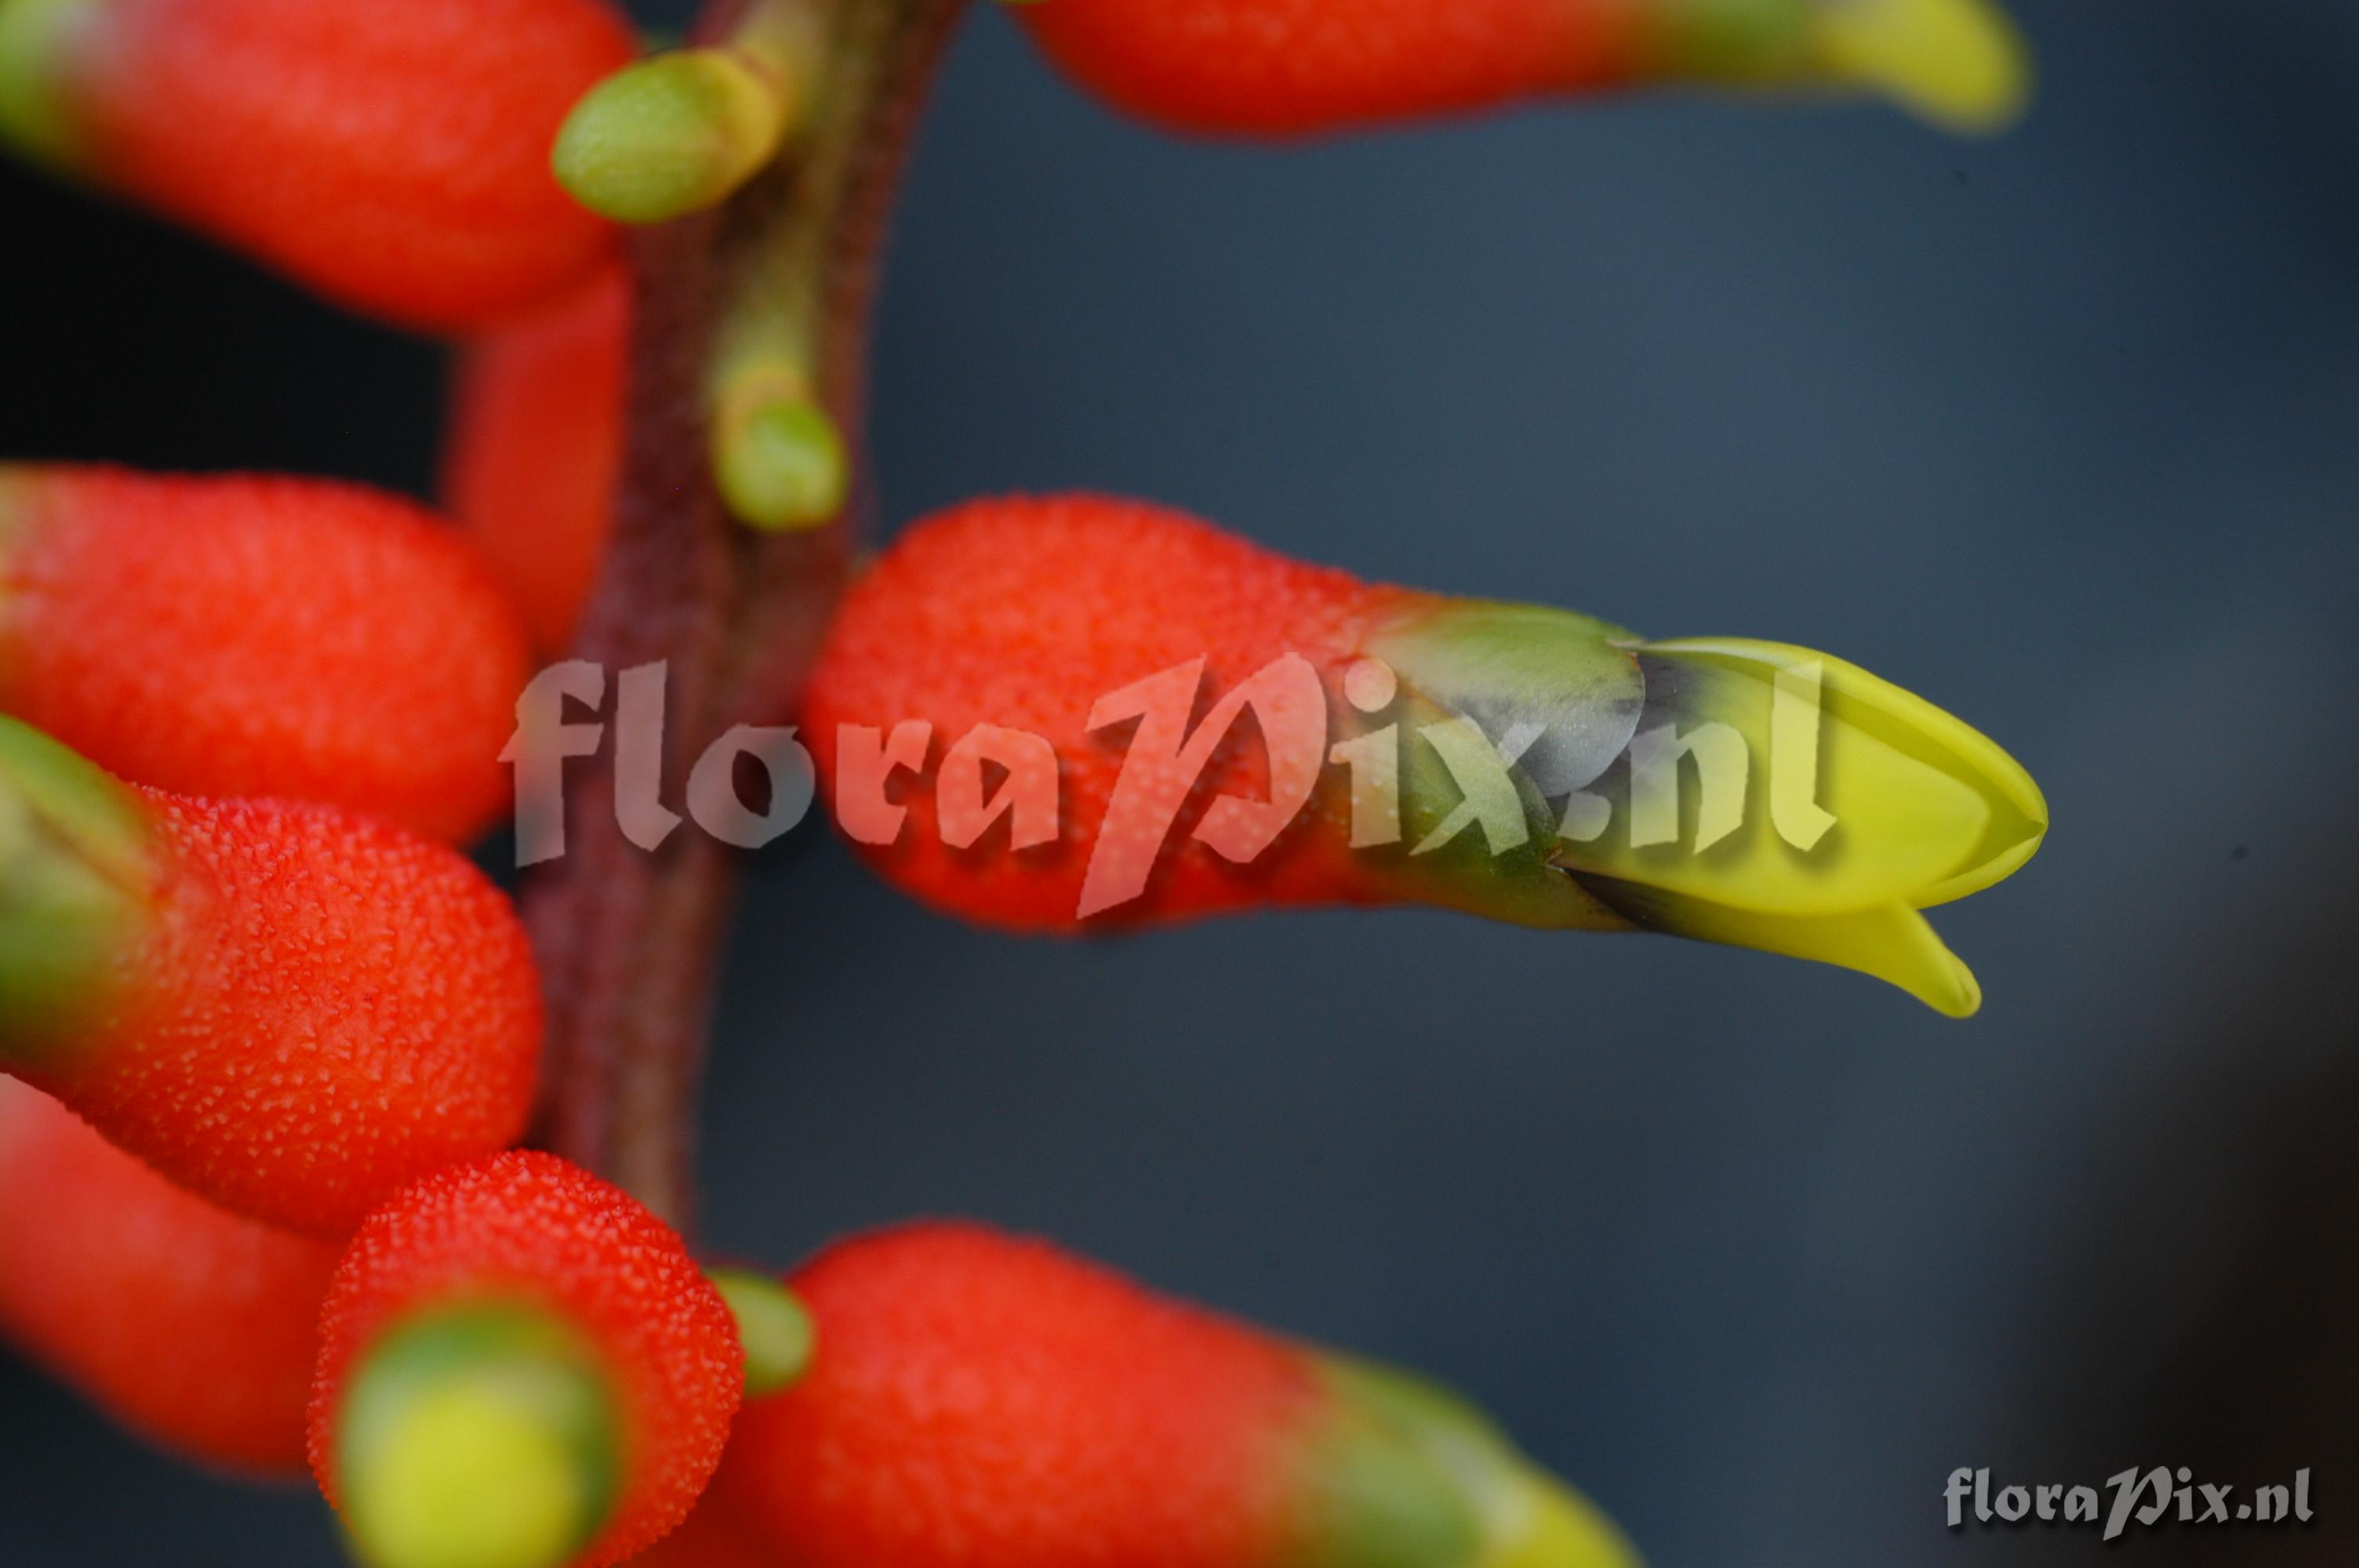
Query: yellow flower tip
point(773, 1325)
point(36, 38)
point(1892, 943)
point(1536, 1521)
point(478, 1438)
point(1779, 799)
point(1959, 64)
point(672, 135)
point(778, 461)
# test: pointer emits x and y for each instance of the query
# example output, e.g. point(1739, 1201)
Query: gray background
point(2057, 430)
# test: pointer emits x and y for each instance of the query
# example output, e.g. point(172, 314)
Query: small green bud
point(779, 463)
point(774, 1324)
point(673, 134)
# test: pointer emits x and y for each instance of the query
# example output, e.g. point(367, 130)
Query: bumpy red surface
point(259, 636)
point(712, 1538)
point(1022, 613)
point(983, 1402)
point(536, 439)
point(1279, 67)
point(321, 1008)
point(394, 157)
point(529, 1228)
point(192, 1327)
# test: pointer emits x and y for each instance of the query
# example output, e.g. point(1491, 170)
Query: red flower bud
point(394, 157)
point(1182, 724)
point(520, 1367)
point(981, 1401)
point(193, 1326)
point(1290, 67)
point(534, 443)
point(1022, 614)
point(233, 636)
point(286, 1009)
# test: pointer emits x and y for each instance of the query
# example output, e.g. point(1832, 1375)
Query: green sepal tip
point(36, 115)
point(77, 883)
point(1506, 1510)
point(773, 1325)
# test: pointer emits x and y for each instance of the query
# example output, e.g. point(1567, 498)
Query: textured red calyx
point(528, 1229)
point(1288, 67)
point(535, 444)
point(241, 635)
point(1023, 613)
point(981, 1401)
point(193, 1326)
point(313, 1008)
point(394, 157)
point(711, 1538)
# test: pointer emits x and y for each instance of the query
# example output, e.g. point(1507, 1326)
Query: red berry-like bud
point(237, 636)
point(394, 157)
point(193, 1326)
point(1290, 67)
point(286, 1009)
point(519, 1367)
point(982, 1402)
point(534, 446)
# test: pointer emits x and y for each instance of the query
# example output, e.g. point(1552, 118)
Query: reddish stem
point(629, 941)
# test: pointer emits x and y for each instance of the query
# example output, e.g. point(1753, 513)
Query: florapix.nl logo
point(992, 773)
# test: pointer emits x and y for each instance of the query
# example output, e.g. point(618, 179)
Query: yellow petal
point(1536, 1521)
point(1959, 63)
point(1893, 943)
point(1771, 778)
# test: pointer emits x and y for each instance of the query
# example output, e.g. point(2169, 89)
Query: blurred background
point(2061, 430)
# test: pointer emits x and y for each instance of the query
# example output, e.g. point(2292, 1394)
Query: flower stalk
point(772, 288)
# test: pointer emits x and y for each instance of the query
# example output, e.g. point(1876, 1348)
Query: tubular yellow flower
point(1747, 793)
point(1828, 808)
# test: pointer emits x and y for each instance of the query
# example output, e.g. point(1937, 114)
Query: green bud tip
point(774, 1324)
point(77, 876)
point(674, 134)
point(36, 38)
point(1409, 1475)
point(477, 1437)
point(778, 461)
